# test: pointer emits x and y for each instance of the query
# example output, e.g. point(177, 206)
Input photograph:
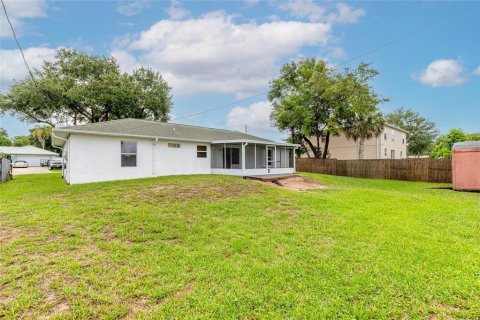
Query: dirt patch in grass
point(182, 193)
point(10, 234)
point(297, 184)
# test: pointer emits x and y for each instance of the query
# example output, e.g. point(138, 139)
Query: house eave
point(265, 142)
point(125, 135)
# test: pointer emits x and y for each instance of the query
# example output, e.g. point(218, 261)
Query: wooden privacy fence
point(427, 170)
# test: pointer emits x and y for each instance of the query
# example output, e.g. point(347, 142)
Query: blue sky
point(218, 53)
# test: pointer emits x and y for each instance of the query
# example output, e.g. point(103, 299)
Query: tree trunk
point(361, 149)
point(312, 147)
point(318, 144)
point(327, 142)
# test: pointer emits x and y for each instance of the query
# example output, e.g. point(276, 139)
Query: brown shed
point(466, 165)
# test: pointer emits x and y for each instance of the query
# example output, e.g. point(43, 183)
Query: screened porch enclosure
point(252, 158)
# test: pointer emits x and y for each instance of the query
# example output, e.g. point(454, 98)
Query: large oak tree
point(312, 100)
point(81, 88)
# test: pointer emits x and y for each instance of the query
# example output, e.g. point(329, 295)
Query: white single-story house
point(135, 148)
point(32, 155)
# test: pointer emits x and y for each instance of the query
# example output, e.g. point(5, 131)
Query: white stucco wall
point(98, 158)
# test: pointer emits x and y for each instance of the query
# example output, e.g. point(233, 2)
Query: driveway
point(32, 170)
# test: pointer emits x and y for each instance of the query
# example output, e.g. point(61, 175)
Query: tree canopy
point(311, 99)
point(4, 139)
point(81, 88)
point(21, 141)
point(421, 131)
point(444, 144)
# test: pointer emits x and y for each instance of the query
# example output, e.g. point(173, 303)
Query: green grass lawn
point(222, 247)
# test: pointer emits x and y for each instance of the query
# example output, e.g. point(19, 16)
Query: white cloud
point(176, 12)
point(477, 71)
point(336, 53)
point(256, 117)
point(443, 73)
point(312, 11)
point(346, 14)
point(12, 65)
point(252, 2)
point(131, 8)
point(18, 11)
point(215, 54)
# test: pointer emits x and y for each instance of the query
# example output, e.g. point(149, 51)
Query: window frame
point(202, 154)
point(128, 154)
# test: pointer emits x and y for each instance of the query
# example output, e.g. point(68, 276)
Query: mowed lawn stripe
point(223, 247)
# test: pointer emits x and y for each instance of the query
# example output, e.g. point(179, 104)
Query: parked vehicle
point(55, 163)
point(20, 164)
point(44, 163)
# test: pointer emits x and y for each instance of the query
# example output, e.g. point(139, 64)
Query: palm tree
point(362, 127)
point(42, 134)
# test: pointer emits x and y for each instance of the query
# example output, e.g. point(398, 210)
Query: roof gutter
point(57, 137)
point(111, 134)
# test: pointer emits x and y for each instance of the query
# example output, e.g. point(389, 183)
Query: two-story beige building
point(391, 144)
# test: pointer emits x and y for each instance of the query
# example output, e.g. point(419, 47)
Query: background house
point(391, 144)
point(134, 148)
point(32, 155)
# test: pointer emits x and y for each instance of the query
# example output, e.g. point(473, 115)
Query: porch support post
point(243, 159)
point(266, 157)
point(224, 156)
point(275, 151)
point(294, 160)
point(255, 155)
point(285, 156)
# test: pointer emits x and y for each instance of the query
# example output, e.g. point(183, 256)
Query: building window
point(392, 154)
point(401, 154)
point(235, 156)
point(384, 136)
point(201, 151)
point(128, 153)
point(385, 152)
point(174, 145)
point(393, 135)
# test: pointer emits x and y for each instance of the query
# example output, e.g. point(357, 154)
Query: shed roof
point(475, 145)
point(27, 150)
point(154, 129)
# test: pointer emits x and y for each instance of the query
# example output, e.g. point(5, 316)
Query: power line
point(382, 46)
point(220, 107)
point(18, 44)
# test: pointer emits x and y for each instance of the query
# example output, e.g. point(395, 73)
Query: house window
point(128, 153)
point(385, 152)
point(174, 145)
point(401, 154)
point(393, 135)
point(393, 154)
point(235, 156)
point(201, 151)
point(384, 136)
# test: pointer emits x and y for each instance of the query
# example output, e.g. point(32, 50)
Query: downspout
point(243, 157)
point(63, 162)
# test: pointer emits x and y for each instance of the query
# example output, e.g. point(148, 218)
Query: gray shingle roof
point(466, 145)
point(27, 150)
point(148, 128)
